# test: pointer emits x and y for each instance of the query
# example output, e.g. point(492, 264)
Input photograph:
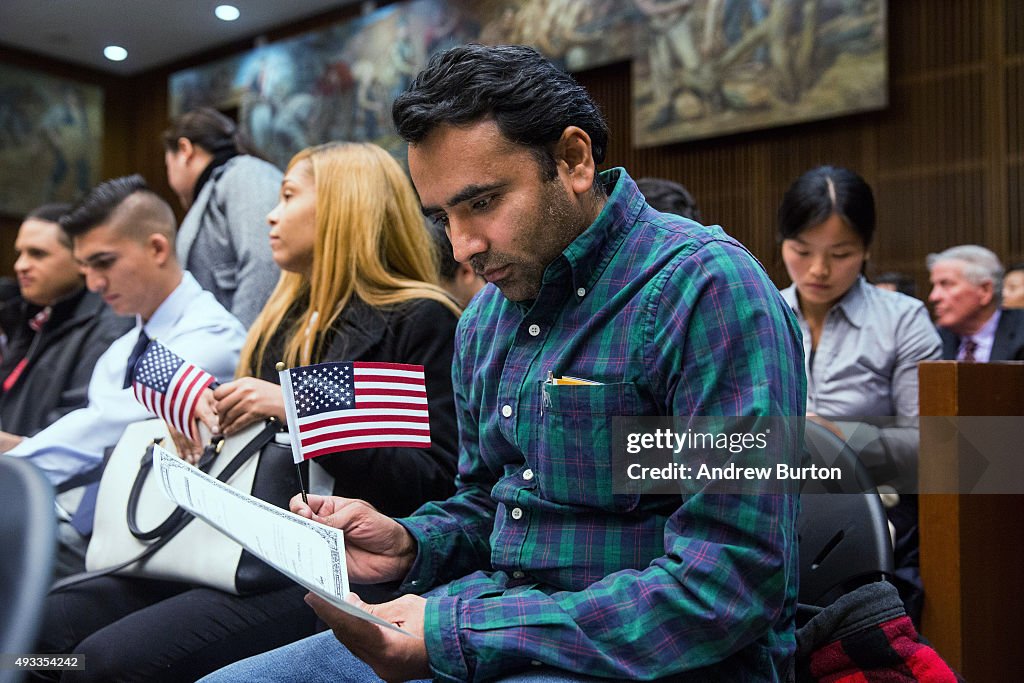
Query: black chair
point(28, 536)
point(843, 534)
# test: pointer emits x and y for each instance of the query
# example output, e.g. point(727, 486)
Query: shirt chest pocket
point(574, 439)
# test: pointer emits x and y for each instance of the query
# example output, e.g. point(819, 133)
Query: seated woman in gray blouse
point(861, 344)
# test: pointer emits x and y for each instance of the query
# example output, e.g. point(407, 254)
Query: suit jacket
point(1008, 344)
point(223, 238)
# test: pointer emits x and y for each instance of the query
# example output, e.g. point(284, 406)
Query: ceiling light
point(226, 12)
point(115, 53)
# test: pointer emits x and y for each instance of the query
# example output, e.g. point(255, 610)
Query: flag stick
point(292, 425)
point(302, 487)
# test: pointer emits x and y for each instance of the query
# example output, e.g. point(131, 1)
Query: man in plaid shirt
point(536, 568)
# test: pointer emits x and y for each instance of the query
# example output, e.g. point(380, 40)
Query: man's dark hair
point(101, 202)
point(903, 283)
point(530, 99)
point(51, 213)
point(669, 197)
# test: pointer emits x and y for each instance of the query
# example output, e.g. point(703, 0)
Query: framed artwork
point(700, 67)
point(710, 67)
point(51, 137)
point(580, 34)
point(337, 83)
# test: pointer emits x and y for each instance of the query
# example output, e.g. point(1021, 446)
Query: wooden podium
point(972, 546)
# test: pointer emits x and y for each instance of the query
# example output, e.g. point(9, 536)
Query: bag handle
point(210, 453)
point(180, 516)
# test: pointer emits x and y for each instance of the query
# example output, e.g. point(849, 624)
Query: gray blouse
point(864, 373)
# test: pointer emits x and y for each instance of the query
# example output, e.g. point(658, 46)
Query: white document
point(308, 552)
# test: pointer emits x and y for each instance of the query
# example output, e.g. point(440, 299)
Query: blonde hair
point(370, 243)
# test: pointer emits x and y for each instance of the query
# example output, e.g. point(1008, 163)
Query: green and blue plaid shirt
point(543, 564)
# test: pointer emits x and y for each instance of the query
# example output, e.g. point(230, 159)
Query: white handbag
point(167, 544)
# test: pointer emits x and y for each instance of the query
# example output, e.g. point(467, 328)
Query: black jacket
point(1009, 340)
point(395, 480)
point(60, 359)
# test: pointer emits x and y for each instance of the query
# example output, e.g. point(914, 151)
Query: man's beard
point(560, 221)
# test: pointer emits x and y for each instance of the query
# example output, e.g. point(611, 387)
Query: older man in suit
point(967, 298)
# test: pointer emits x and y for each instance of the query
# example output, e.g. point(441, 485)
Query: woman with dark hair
point(227, 190)
point(862, 344)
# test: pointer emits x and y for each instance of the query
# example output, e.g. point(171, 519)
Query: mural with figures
point(711, 67)
point(700, 67)
point(51, 135)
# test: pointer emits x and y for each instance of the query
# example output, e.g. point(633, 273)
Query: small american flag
point(334, 407)
point(169, 386)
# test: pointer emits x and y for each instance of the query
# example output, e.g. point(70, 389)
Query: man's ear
point(987, 292)
point(574, 154)
point(160, 247)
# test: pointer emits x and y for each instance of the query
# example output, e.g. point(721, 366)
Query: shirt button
point(518, 574)
point(517, 513)
point(527, 475)
point(581, 291)
point(506, 411)
point(534, 330)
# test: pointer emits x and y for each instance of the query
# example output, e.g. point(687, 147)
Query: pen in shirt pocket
point(567, 380)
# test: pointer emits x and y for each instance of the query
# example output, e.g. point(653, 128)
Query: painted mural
point(711, 67)
point(51, 137)
point(700, 67)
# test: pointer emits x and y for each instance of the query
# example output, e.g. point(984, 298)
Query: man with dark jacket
point(56, 328)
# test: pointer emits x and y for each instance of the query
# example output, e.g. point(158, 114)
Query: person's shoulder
point(203, 311)
point(246, 167)
point(1012, 319)
point(422, 311)
point(685, 238)
point(887, 300)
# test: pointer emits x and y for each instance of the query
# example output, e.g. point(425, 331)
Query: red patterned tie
point(970, 346)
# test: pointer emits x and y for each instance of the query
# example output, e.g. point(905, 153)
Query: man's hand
point(247, 400)
point(393, 656)
point(191, 450)
point(377, 548)
point(9, 441)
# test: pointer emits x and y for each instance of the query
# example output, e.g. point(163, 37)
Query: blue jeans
point(322, 659)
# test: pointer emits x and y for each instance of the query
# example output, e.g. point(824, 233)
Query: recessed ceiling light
point(115, 53)
point(226, 12)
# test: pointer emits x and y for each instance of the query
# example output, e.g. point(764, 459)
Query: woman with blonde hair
point(359, 284)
